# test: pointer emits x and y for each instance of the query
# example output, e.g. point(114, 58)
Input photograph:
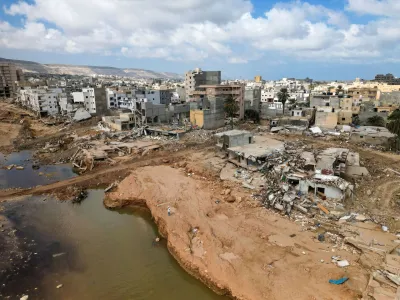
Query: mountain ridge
point(66, 69)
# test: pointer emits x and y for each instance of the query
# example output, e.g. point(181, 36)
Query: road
point(144, 161)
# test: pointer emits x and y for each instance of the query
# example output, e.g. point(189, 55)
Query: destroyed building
point(146, 113)
point(297, 177)
point(379, 136)
point(247, 151)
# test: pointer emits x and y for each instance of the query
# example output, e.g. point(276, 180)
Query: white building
point(89, 101)
point(268, 96)
point(43, 101)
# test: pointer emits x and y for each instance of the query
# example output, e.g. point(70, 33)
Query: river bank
point(238, 249)
point(94, 253)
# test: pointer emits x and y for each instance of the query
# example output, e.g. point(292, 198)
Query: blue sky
point(320, 39)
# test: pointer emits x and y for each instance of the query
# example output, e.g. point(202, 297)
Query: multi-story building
point(42, 101)
point(197, 77)
point(9, 77)
point(212, 92)
point(363, 93)
point(388, 78)
point(252, 98)
point(324, 100)
point(268, 96)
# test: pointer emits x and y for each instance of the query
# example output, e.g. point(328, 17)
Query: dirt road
point(106, 175)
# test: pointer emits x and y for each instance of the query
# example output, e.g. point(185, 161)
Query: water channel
point(94, 253)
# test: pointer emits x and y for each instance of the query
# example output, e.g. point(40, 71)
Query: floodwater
point(28, 177)
point(94, 253)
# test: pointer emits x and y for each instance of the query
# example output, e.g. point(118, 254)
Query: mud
point(239, 249)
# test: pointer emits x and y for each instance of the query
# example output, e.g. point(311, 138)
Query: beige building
point(363, 93)
point(222, 92)
point(345, 117)
point(346, 103)
point(258, 78)
point(326, 117)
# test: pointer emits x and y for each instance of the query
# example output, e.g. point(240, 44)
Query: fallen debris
point(80, 197)
point(338, 281)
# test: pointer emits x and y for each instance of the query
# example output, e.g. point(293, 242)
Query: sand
point(239, 249)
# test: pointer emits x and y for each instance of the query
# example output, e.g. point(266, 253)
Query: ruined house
point(247, 151)
point(379, 136)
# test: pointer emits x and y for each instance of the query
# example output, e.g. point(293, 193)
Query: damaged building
point(245, 150)
point(297, 178)
point(378, 136)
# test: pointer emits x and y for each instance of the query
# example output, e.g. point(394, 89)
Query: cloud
point(196, 30)
point(389, 8)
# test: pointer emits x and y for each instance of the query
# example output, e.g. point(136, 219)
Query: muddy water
point(94, 253)
point(29, 177)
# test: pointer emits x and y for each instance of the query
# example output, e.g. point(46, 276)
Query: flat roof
point(232, 133)
point(262, 147)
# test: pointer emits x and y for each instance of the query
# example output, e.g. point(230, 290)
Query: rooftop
point(232, 133)
point(262, 147)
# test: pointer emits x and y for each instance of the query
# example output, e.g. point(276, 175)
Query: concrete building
point(346, 103)
point(208, 113)
point(252, 98)
point(389, 99)
point(388, 78)
point(234, 138)
point(363, 93)
point(247, 151)
point(368, 110)
point(197, 77)
point(372, 135)
point(326, 117)
point(211, 92)
point(324, 100)
point(271, 110)
point(9, 78)
point(345, 117)
point(43, 101)
point(268, 96)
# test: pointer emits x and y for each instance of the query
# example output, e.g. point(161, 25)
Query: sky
point(319, 39)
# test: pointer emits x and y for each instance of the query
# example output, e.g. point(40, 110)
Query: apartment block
point(9, 76)
point(211, 92)
point(363, 94)
point(197, 77)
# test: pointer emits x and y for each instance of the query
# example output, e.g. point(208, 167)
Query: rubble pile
point(199, 136)
point(279, 193)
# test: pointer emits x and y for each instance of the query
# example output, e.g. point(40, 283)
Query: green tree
point(395, 115)
point(376, 121)
point(283, 96)
point(394, 127)
point(339, 89)
point(231, 108)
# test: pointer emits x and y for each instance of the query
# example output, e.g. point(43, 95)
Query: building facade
point(9, 78)
point(197, 77)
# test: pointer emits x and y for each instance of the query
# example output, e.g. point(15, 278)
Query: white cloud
point(196, 30)
point(390, 8)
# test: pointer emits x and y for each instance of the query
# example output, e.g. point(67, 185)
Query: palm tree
point(231, 107)
point(283, 96)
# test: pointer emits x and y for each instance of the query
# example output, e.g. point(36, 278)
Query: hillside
point(34, 67)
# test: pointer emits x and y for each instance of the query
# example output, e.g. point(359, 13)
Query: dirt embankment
point(238, 249)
